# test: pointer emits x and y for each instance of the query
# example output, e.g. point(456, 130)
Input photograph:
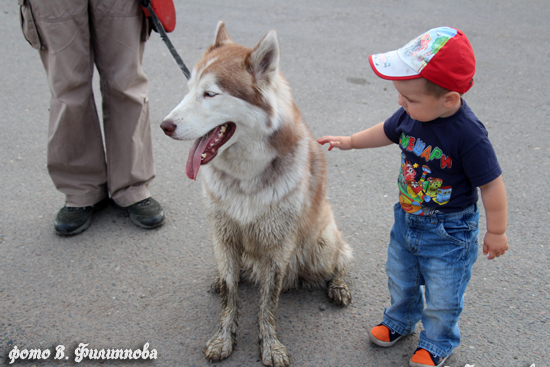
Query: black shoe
point(146, 214)
point(74, 220)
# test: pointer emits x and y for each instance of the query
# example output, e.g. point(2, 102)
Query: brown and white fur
point(264, 187)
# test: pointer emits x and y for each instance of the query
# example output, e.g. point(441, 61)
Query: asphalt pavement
point(119, 287)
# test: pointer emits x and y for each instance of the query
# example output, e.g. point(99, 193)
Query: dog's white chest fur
point(247, 189)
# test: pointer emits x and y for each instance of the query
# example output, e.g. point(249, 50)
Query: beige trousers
point(73, 36)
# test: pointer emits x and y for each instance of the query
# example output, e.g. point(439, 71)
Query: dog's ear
point(222, 37)
point(264, 59)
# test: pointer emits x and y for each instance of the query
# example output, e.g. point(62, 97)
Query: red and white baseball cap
point(442, 55)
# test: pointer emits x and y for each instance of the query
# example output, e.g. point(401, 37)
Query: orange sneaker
point(423, 358)
point(383, 336)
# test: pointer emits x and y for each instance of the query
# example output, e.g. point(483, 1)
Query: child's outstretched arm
point(493, 195)
point(373, 137)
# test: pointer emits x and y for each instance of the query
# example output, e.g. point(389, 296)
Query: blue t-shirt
point(443, 161)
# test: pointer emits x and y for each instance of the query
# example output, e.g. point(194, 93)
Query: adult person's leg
point(75, 154)
point(119, 31)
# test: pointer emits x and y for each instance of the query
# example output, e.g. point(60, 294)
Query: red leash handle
point(165, 11)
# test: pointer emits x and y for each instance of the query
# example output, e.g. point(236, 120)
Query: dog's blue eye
point(210, 94)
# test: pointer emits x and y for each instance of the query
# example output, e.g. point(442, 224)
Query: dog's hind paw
point(339, 293)
point(219, 347)
point(274, 353)
point(215, 287)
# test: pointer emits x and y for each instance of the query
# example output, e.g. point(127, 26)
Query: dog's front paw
point(219, 347)
point(274, 353)
point(339, 293)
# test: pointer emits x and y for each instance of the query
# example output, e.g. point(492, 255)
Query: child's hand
point(495, 245)
point(340, 142)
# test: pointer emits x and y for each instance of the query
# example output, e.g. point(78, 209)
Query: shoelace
point(76, 208)
point(144, 202)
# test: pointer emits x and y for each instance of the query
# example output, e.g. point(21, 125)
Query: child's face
point(418, 103)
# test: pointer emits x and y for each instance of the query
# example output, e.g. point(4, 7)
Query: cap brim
point(388, 65)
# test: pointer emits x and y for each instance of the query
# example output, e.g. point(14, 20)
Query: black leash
point(164, 36)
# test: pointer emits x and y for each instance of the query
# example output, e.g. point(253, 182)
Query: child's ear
point(451, 99)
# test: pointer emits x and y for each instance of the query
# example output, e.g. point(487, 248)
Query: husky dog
point(264, 186)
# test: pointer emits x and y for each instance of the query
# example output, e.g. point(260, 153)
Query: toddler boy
point(446, 156)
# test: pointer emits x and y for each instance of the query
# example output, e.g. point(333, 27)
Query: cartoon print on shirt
point(427, 189)
point(419, 148)
point(443, 195)
point(433, 185)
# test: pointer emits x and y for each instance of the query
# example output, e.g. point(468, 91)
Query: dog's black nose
point(168, 127)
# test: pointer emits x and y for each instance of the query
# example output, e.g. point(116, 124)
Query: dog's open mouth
point(206, 148)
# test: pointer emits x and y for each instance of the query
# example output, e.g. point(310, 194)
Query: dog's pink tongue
point(194, 159)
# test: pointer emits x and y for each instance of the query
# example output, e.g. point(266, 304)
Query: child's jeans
point(436, 251)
